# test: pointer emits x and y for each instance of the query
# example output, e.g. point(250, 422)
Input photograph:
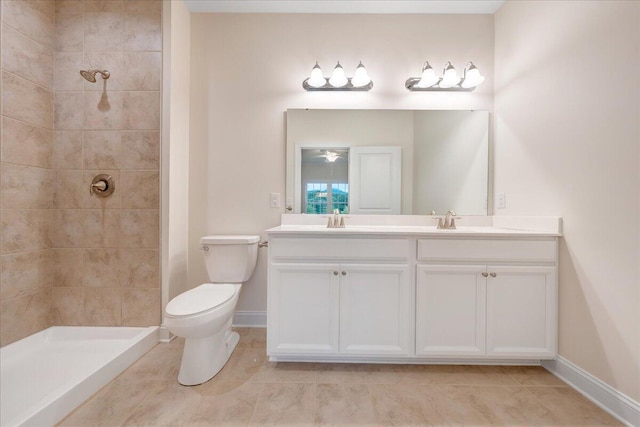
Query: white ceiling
point(345, 6)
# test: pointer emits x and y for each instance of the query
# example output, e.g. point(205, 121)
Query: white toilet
point(203, 314)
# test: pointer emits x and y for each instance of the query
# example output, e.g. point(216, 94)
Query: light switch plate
point(275, 200)
point(501, 200)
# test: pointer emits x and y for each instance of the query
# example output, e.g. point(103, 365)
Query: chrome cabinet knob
point(335, 273)
point(493, 274)
point(484, 274)
point(344, 273)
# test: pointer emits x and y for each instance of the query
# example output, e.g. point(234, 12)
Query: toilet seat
point(200, 299)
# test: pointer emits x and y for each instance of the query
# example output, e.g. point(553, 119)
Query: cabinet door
point(303, 308)
point(450, 310)
point(521, 312)
point(375, 309)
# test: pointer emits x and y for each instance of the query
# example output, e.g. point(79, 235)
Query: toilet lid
point(203, 298)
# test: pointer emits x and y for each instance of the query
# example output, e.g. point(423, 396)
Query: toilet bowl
point(203, 315)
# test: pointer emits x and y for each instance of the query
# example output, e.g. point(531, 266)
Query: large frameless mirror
point(408, 162)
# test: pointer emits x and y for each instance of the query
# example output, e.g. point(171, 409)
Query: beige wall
point(247, 70)
point(567, 143)
point(176, 150)
point(69, 258)
point(27, 174)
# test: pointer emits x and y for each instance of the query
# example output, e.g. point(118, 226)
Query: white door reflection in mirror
point(375, 178)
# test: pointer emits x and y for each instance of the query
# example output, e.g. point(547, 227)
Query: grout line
point(4, 70)
point(46, 46)
point(4, 116)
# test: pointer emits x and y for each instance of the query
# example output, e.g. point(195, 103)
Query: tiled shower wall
point(102, 267)
point(27, 177)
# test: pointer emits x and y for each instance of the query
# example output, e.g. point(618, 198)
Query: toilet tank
point(230, 258)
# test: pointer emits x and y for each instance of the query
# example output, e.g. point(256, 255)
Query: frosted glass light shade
point(428, 77)
point(361, 77)
point(316, 79)
point(338, 77)
point(472, 77)
point(450, 78)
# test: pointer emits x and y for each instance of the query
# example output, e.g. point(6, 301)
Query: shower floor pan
point(47, 375)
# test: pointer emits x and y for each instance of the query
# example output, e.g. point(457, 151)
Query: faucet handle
point(440, 225)
point(432, 213)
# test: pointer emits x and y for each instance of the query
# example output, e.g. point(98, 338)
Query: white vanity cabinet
point(333, 296)
point(405, 295)
point(494, 298)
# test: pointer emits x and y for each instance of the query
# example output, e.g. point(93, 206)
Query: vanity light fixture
point(338, 80)
point(450, 81)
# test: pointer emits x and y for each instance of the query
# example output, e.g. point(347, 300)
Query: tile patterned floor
point(252, 391)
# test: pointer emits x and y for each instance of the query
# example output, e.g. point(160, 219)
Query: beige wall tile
point(102, 307)
point(69, 26)
point(143, 6)
point(110, 61)
point(67, 268)
point(102, 32)
point(26, 187)
point(97, 202)
point(91, 6)
point(32, 18)
point(140, 307)
point(27, 58)
point(69, 114)
point(66, 231)
point(143, 71)
point(67, 71)
point(25, 101)
point(67, 150)
point(141, 110)
point(140, 189)
point(25, 273)
point(102, 150)
point(101, 268)
point(25, 230)
point(140, 150)
point(140, 268)
point(67, 307)
point(25, 315)
point(25, 144)
point(102, 110)
point(139, 228)
point(69, 189)
point(101, 228)
point(142, 32)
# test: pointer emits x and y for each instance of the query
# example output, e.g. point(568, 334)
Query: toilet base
point(204, 357)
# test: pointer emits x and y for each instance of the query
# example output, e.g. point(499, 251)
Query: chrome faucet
point(449, 222)
point(336, 221)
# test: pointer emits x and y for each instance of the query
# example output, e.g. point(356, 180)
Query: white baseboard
point(253, 319)
point(620, 406)
point(164, 335)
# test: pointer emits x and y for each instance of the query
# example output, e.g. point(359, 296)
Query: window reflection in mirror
point(325, 180)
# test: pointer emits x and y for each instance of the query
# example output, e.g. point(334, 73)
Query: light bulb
point(450, 77)
point(428, 77)
point(331, 156)
point(338, 77)
point(472, 77)
point(316, 79)
point(361, 77)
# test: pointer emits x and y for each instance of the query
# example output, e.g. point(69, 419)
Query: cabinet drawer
point(495, 250)
point(347, 249)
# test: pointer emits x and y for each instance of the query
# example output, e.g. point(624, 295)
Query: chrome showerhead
point(90, 75)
